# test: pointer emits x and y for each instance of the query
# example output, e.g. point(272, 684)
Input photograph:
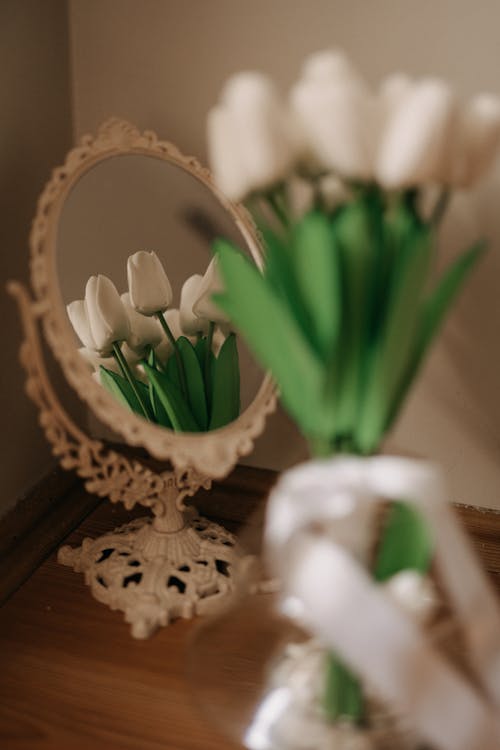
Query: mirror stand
point(154, 569)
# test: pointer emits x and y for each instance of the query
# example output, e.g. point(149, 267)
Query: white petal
point(416, 141)
point(77, 313)
point(478, 140)
point(191, 324)
point(144, 331)
point(203, 306)
point(251, 140)
point(339, 122)
point(107, 317)
point(224, 155)
point(149, 287)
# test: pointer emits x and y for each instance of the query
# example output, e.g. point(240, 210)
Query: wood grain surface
point(72, 677)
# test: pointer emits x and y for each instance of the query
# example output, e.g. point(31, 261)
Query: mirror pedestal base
point(156, 576)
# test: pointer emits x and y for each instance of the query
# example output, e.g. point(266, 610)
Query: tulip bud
point(416, 139)
point(144, 331)
point(250, 139)
point(77, 313)
point(337, 116)
point(477, 140)
point(191, 324)
point(107, 317)
point(149, 287)
point(211, 283)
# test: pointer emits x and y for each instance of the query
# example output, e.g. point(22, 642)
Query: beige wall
point(161, 64)
point(35, 130)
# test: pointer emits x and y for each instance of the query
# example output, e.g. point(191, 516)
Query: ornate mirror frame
point(212, 453)
point(182, 564)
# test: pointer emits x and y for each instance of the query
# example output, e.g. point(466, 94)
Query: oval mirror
point(117, 194)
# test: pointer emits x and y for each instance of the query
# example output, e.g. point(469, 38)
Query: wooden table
point(71, 675)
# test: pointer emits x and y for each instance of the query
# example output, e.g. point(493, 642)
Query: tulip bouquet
point(339, 179)
point(175, 367)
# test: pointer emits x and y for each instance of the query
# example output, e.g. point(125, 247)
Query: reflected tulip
point(77, 313)
point(149, 287)
point(106, 314)
point(191, 324)
point(145, 332)
point(211, 284)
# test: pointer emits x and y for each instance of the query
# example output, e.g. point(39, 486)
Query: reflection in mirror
point(148, 226)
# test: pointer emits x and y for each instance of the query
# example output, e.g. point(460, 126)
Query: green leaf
point(393, 349)
point(274, 337)
point(121, 389)
point(159, 413)
point(406, 543)
point(279, 272)
point(172, 371)
point(173, 402)
point(343, 696)
point(433, 315)
point(226, 385)
point(194, 382)
point(445, 294)
point(200, 348)
point(317, 270)
point(353, 229)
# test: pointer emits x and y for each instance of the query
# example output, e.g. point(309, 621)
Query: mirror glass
point(132, 202)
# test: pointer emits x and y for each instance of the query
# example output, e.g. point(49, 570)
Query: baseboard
point(38, 523)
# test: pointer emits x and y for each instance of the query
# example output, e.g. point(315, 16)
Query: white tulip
point(416, 140)
point(414, 594)
point(251, 144)
point(106, 314)
point(148, 284)
point(191, 324)
point(144, 331)
point(477, 140)
point(211, 283)
point(77, 313)
point(337, 115)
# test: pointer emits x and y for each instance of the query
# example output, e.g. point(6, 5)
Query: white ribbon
point(318, 528)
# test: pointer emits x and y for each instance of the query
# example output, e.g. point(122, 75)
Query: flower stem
point(177, 354)
point(440, 207)
point(123, 365)
point(208, 351)
point(278, 209)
